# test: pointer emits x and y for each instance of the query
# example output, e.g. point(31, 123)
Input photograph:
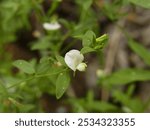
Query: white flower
point(51, 26)
point(74, 60)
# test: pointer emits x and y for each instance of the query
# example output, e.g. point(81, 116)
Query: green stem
point(36, 76)
point(20, 82)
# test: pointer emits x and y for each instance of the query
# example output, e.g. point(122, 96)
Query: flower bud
point(81, 67)
point(100, 73)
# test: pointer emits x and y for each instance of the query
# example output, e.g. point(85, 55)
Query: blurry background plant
point(35, 36)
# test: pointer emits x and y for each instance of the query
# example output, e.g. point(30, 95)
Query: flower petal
point(51, 26)
point(73, 58)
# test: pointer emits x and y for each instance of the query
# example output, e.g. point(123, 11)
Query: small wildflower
point(74, 59)
point(51, 26)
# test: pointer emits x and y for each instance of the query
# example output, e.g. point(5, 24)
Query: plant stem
point(36, 76)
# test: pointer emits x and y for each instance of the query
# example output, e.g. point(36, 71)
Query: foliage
point(24, 82)
point(140, 50)
point(143, 3)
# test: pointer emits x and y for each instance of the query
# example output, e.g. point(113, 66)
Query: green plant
point(61, 41)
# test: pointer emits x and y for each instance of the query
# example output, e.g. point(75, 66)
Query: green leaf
point(13, 12)
point(101, 41)
point(130, 90)
point(101, 106)
point(15, 102)
point(142, 3)
point(43, 67)
point(112, 9)
point(88, 39)
point(61, 60)
point(86, 5)
point(10, 81)
point(140, 50)
point(62, 84)
point(77, 105)
point(86, 50)
point(3, 90)
point(126, 76)
point(27, 108)
point(134, 104)
point(24, 66)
